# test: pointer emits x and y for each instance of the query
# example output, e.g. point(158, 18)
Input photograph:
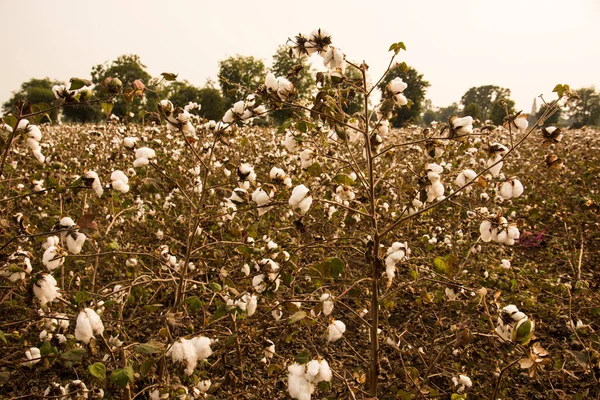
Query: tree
point(498, 110)
point(240, 76)
point(209, 97)
point(484, 97)
point(127, 68)
point(554, 118)
point(415, 92)
point(34, 91)
point(473, 110)
point(586, 110)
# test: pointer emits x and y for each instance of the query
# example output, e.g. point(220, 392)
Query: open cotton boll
point(271, 82)
point(325, 373)
point(335, 330)
point(504, 263)
point(306, 158)
point(290, 142)
point(130, 142)
point(95, 321)
point(202, 347)
point(96, 185)
point(52, 258)
point(485, 229)
point(300, 199)
point(299, 387)
point(119, 181)
point(465, 177)
point(140, 162)
point(185, 352)
point(269, 351)
point(462, 126)
point(33, 356)
point(75, 243)
point(327, 303)
point(397, 85)
point(83, 328)
point(261, 198)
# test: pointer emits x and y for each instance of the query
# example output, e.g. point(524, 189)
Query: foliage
point(182, 93)
point(586, 110)
point(416, 90)
point(500, 109)
point(239, 76)
point(34, 91)
point(128, 68)
point(485, 97)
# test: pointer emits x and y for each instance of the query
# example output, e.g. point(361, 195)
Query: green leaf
point(98, 370)
point(456, 396)
point(524, 331)
point(78, 83)
point(220, 311)
point(82, 297)
point(343, 179)
point(149, 348)
point(297, 317)
point(3, 338)
point(46, 348)
point(107, 108)
point(112, 246)
point(73, 356)
point(396, 47)
point(314, 170)
point(121, 377)
point(334, 267)
point(215, 287)
point(169, 76)
point(194, 303)
point(11, 121)
point(147, 365)
point(303, 357)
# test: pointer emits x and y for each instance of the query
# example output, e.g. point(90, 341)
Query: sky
point(528, 46)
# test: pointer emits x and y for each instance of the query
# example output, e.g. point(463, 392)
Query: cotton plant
point(496, 153)
point(518, 124)
point(514, 326)
point(326, 303)
point(190, 351)
point(302, 379)
point(53, 258)
point(269, 351)
point(244, 111)
point(268, 278)
point(464, 177)
point(278, 175)
point(177, 118)
point(279, 87)
point(460, 128)
point(246, 176)
point(461, 382)
point(435, 188)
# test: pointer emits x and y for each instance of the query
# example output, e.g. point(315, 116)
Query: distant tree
point(213, 104)
point(240, 75)
point(297, 70)
point(473, 110)
point(34, 91)
point(429, 116)
point(554, 118)
point(181, 93)
point(484, 97)
point(498, 110)
point(127, 68)
point(415, 92)
point(445, 113)
point(586, 110)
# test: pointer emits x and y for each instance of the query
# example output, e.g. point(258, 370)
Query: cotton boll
point(261, 198)
point(33, 355)
point(325, 373)
point(141, 162)
point(269, 350)
point(299, 387)
point(327, 303)
point(306, 158)
point(252, 302)
point(485, 230)
point(504, 263)
point(184, 351)
point(202, 347)
point(259, 284)
point(300, 199)
point(517, 187)
point(290, 142)
point(83, 328)
point(95, 321)
point(495, 169)
point(52, 259)
point(75, 243)
point(129, 142)
point(335, 330)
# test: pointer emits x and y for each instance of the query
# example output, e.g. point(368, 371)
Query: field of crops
point(180, 254)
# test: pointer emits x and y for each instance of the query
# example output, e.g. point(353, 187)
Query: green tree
point(34, 91)
point(498, 110)
point(473, 110)
point(240, 76)
point(127, 68)
point(445, 113)
point(485, 97)
point(415, 92)
point(554, 118)
point(586, 110)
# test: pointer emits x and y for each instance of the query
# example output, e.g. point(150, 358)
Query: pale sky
point(527, 46)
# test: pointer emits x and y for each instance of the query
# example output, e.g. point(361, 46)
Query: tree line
point(239, 75)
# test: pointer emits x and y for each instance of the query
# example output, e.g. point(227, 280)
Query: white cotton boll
point(290, 142)
point(312, 370)
point(485, 230)
point(34, 132)
point(141, 162)
point(300, 199)
point(75, 244)
point(39, 156)
point(259, 284)
point(184, 351)
point(495, 170)
point(463, 126)
point(269, 350)
point(306, 158)
point(202, 347)
point(271, 82)
point(502, 237)
point(397, 85)
point(434, 191)
point(246, 269)
point(465, 177)
point(51, 258)
point(506, 190)
point(276, 174)
point(284, 88)
point(145, 152)
point(400, 100)
point(95, 321)
point(325, 373)
point(83, 328)
point(299, 387)
point(327, 303)
point(119, 175)
point(33, 356)
point(517, 188)
point(229, 117)
point(129, 142)
point(335, 330)
point(252, 302)
point(96, 185)
point(238, 107)
point(33, 145)
point(504, 263)
point(261, 198)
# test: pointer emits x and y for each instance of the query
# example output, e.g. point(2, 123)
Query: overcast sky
point(527, 46)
